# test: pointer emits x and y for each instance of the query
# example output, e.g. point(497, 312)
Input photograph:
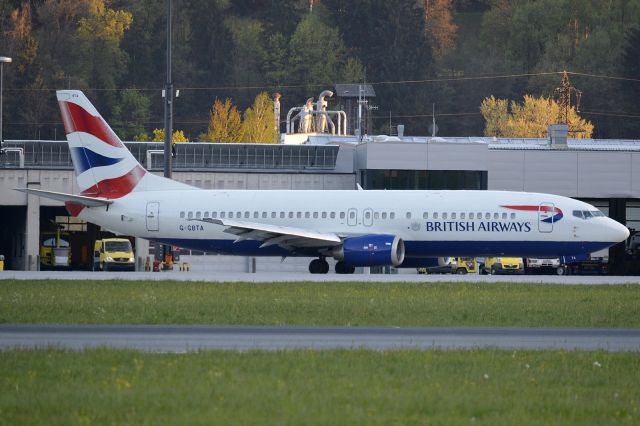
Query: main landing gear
point(319, 266)
point(342, 268)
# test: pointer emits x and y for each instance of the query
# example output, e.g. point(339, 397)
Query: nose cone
point(618, 232)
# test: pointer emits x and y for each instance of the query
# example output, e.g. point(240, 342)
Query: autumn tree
point(257, 126)
point(225, 124)
point(178, 136)
point(530, 119)
point(102, 61)
point(439, 25)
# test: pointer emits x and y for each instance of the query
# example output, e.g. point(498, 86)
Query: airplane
point(358, 228)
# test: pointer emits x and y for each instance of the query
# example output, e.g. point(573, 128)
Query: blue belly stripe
point(412, 248)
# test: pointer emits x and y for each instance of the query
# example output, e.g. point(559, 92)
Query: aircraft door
point(367, 218)
point(352, 217)
point(153, 216)
point(546, 213)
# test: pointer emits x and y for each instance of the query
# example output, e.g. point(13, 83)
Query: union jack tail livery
point(104, 167)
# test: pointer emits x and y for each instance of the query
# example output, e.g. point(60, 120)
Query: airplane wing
point(284, 236)
point(67, 198)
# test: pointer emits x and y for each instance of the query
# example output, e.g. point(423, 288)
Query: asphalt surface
point(192, 338)
point(271, 277)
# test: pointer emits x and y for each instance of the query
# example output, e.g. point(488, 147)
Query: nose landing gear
point(319, 266)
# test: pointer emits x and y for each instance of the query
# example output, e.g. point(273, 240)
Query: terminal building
point(605, 173)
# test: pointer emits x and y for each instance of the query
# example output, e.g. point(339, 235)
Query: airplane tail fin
point(104, 167)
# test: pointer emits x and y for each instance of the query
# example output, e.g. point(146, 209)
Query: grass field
point(340, 304)
point(319, 387)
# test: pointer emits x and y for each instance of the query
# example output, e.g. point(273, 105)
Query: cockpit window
point(587, 214)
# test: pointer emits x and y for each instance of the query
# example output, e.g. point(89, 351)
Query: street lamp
point(3, 59)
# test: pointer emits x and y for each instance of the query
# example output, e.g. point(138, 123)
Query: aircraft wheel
point(461, 271)
point(342, 268)
point(318, 266)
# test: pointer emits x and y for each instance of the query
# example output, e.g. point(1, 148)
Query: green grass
point(319, 387)
point(340, 304)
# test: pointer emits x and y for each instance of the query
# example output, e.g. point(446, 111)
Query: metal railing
point(190, 156)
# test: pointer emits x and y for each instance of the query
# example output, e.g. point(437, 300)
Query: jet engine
point(370, 250)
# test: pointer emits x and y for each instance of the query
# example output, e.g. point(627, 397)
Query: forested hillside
point(451, 53)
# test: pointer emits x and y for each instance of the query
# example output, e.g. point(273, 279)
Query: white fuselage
point(431, 223)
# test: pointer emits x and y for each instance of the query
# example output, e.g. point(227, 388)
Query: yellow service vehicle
point(113, 254)
point(503, 265)
point(453, 265)
point(55, 253)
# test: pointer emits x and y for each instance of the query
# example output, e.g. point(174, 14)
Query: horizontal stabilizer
point(67, 198)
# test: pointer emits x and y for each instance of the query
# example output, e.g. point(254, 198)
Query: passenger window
point(190, 215)
point(290, 215)
point(462, 215)
point(487, 216)
point(470, 215)
point(198, 215)
point(453, 215)
point(181, 215)
point(307, 215)
point(264, 215)
point(435, 215)
point(324, 215)
point(230, 215)
point(246, 215)
point(496, 216)
point(299, 215)
point(282, 215)
point(384, 215)
point(425, 215)
point(444, 215)
point(376, 215)
point(214, 214)
point(239, 215)
point(342, 215)
point(222, 215)
point(206, 215)
point(367, 215)
point(479, 216)
point(256, 215)
point(352, 215)
point(392, 215)
point(504, 216)
point(333, 215)
point(315, 215)
point(408, 215)
point(513, 215)
point(273, 215)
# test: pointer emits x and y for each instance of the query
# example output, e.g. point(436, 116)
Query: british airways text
point(455, 226)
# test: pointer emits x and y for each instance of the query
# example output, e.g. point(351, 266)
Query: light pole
point(3, 59)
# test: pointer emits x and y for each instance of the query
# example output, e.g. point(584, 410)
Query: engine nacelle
point(371, 250)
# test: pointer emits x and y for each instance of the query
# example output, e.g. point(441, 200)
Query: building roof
point(352, 90)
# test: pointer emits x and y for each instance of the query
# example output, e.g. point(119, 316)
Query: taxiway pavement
point(271, 277)
point(193, 338)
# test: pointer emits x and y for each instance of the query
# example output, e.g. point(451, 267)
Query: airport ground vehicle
point(543, 266)
point(503, 265)
point(55, 253)
point(113, 254)
point(453, 265)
